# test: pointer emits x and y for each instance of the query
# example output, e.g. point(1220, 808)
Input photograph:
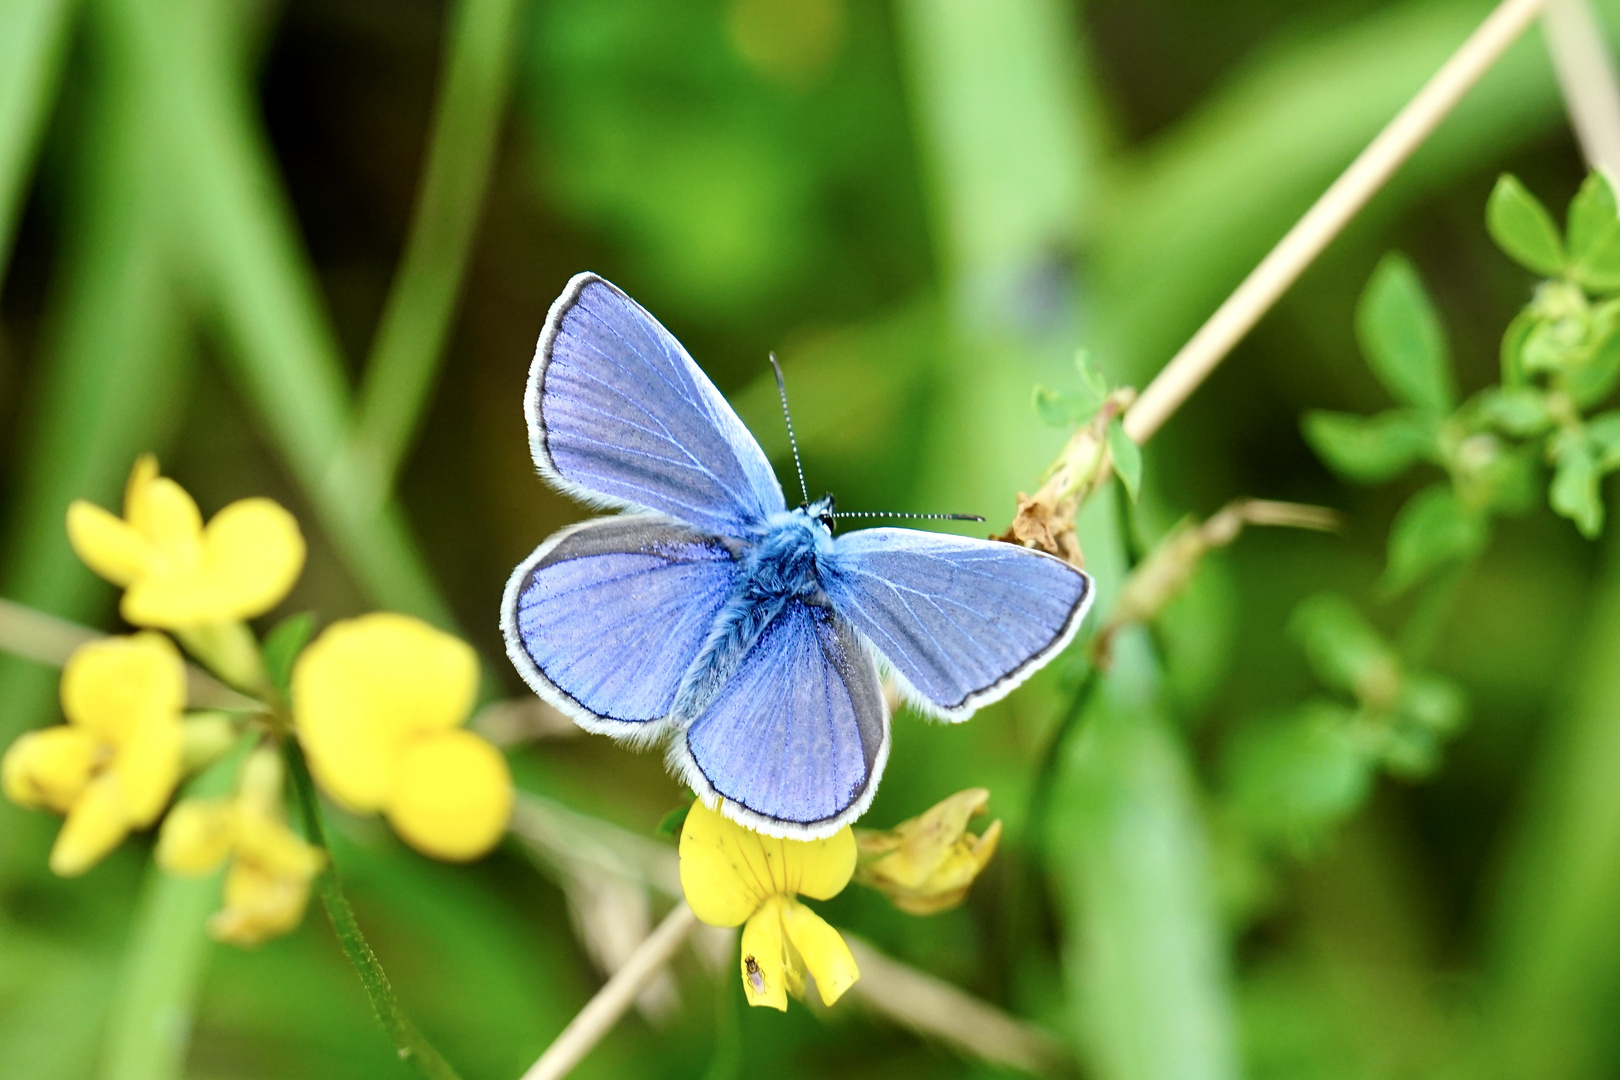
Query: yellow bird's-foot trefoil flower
point(732, 876)
point(379, 702)
point(112, 767)
point(180, 575)
point(927, 864)
point(267, 886)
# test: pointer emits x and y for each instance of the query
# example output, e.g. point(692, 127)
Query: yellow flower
point(114, 764)
point(267, 886)
point(379, 702)
point(178, 574)
point(731, 875)
point(927, 864)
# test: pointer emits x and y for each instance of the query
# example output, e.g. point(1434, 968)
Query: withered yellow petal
point(452, 795)
point(366, 684)
point(258, 905)
point(107, 544)
point(823, 950)
point(196, 836)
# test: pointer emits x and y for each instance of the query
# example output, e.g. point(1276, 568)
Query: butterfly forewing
point(620, 415)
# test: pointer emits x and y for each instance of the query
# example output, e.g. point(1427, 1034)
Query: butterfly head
point(821, 512)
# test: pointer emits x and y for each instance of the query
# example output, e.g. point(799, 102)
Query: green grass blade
point(251, 270)
point(113, 373)
point(410, 342)
point(33, 41)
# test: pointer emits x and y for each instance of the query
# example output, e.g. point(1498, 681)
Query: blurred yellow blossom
point(178, 574)
point(267, 886)
point(927, 864)
point(379, 702)
point(731, 875)
point(114, 764)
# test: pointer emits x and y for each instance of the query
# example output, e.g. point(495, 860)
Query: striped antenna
point(781, 388)
point(897, 514)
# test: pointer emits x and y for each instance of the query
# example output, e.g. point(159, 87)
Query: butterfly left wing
point(604, 618)
point(961, 621)
point(796, 739)
point(619, 415)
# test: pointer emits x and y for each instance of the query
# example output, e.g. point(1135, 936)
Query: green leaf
point(1369, 449)
point(1431, 530)
point(1574, 491)
point(1515, 410)
point(282, 646)
point(1127, 458)
point(1402, 337)
point(1521, 226)
point(1435, 704)
point(1594, 236)
point(1514, 371)
point(1603, 432)
point(1066, 408)
point(1344, 650)
point(1294, 778)
point(1591, 381)
point(1091, 375)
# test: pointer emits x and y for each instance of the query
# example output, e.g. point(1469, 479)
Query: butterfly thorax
point(780, 565)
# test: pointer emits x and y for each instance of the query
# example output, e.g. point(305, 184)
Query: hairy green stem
point(408, 1041)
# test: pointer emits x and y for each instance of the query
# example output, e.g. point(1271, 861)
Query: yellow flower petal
point(167, 515)
point(49, 768)
point(822, 949)
point(110, 687)
point(258, 905)
point(366, 684)
point(148, 767)
point(727, 871)
point(197, 835)
point(928, 864)
point(107, 544)
point(94, 826)
point(766, 970)
point(252, 555)
point(452, 795)
point(269, 844)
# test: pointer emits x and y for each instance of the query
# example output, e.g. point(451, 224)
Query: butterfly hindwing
point(796, 739)
point(962, 621)
point(620, 415)
point(604, 618)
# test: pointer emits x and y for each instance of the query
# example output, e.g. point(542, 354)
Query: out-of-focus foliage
point(1268, 844)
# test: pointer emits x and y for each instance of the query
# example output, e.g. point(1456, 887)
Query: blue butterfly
point(712, 615)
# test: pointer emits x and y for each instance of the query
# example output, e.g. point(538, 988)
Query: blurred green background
point(924, 206)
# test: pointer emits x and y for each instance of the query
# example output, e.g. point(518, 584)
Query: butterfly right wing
point(619, 415)
point(604, 619)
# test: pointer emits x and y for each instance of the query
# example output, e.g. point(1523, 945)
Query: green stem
point(149, 1025)
point(408, 1041)
point(416, 318)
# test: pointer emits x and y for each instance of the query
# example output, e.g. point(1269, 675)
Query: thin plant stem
point(599, 1015)
point(408, 1041)
point(1324, 221)
point(410, 341)
point(1586, 75)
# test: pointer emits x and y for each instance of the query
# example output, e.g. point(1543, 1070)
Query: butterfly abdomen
point(778, 568)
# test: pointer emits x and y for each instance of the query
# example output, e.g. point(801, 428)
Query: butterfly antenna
point(781, 388)
point(896, 514)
